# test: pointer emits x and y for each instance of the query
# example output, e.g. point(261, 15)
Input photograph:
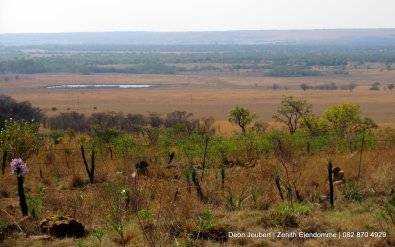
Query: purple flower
point(18, 167)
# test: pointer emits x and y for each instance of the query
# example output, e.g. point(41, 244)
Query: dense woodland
point(272, 60)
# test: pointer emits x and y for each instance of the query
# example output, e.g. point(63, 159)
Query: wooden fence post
point(278, 185)
point(330, 180)
point(4, 161)
point(89, 170)
point(360, 157)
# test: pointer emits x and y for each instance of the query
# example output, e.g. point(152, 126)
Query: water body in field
point(98, 86)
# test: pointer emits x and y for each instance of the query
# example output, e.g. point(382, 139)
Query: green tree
point(241, 116)
point(346, 119)
point(375, 86)
point(292, 112)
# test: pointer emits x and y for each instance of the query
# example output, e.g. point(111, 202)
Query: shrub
point(20, 139)
point(69, 121)
point(206, 220)
point(352, 192)
point(124, 145)
point(346, 119)
point(180, 119)
point(286, 214)
point(98, 233)
point(375, 86)
point(35, 205)
point(20, 111)
point(241, 116)
point(56, 136)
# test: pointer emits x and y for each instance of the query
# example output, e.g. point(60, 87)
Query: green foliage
point(292, 112)
point(35, 206)
point(251, 145)
point(389, 208)
point(145, 214)
point(221, 148)
point(166, 140)
point(236, 202)
point(192, 146)
point(98, 233)
point(314, 125)
point(56, 136)
point(125, 144)
point(241, 116)
point(3, 226)
point(104, 136)
point(295, 209)
point(375, 86)
point(342, 119)
point(206, 220)
point(36, 203)
point(119, 215)
point(286, 213)
point(352, 192)
point(20, 139)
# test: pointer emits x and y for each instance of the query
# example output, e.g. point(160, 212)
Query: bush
point(20, 139)
point(375, 86)
point(20, 111)
point(352, 192)
point(69, 121)
point(206, 220)
point(285, 214)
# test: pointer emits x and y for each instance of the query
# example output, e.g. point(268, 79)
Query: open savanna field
point(202, 95)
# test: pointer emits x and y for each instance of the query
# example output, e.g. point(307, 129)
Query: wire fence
point(73, 154)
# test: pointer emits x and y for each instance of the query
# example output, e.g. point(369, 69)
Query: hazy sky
point(182, 15)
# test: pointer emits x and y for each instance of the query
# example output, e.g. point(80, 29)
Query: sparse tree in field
point(375, 86)
point(291, 112)
point(276, 86)
point(260, 126)
point(391, 86)
point(351, 86)
point(242, 117)
point(388, 65)
point(304, 86)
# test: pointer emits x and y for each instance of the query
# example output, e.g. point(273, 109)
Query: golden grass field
point(203, 95)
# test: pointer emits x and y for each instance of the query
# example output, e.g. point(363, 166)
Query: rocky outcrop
point(61, 227)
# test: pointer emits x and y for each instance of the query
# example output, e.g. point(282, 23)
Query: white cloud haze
point(183, 15)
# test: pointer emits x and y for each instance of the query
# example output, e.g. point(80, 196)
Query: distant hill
point(332, 36)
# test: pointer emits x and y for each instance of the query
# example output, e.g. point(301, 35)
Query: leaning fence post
point(330, 180)
point(360, 157)
point(90, 171)
point(278, 185)
point(4, 161)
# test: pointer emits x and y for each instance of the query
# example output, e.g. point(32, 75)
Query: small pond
point(98, 86)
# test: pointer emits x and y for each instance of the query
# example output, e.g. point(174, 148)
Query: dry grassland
point(203, 95)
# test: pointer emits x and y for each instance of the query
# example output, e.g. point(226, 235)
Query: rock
point(61, 227)
point(142, 167)
point(219, 234)
point(338, 175)
point(8, 230)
